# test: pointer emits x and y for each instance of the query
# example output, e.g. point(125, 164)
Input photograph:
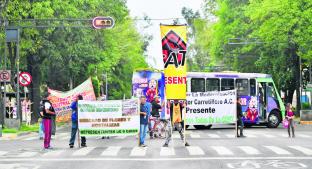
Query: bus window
point(242, 87)
point(197, 85)
point(252, 83)
point(227, 84)
point(213, 84)
point(270, 91)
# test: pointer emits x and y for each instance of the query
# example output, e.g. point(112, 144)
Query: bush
point(305, 106)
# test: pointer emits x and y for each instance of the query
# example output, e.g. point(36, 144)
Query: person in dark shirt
point(144, 115)
point(47, 112)
point(240, 123)
point(156, 107)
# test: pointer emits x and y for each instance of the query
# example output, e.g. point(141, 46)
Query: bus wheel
point(200, 127)
point(274, 119)
point(248, 125)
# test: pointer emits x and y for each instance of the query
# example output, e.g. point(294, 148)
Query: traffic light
point(102, 22)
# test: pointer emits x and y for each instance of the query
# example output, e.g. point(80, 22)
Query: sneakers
point(143, 145)
point(187, 144)
point(83, 145)
point(165, 145)
point(71, 146)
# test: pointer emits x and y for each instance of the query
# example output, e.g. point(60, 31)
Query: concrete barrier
point(305, 116)
point(12, 123)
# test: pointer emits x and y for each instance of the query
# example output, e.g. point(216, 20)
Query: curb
point(306, 122)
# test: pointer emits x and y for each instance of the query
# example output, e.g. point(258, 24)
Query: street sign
point(101, 22)
point(5, 75)
point(25, 79)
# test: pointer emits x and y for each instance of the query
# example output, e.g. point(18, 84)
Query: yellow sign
point(174, 57)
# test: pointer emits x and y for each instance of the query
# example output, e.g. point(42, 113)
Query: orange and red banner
point(174, 47)
point(61, 101)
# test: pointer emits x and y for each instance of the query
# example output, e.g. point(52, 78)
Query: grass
point(23, 128)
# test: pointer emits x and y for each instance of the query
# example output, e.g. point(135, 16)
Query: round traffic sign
point(5, 76)
point(25, 79)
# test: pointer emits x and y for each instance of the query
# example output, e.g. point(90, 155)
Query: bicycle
point(158, 128)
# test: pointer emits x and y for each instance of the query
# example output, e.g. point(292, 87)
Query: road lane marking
point(176, 135)
point(303, 136)
point(27, 154)
point(214, 136)
point(195, 150)
point(222, 158)
point(222, 150)
point(53, 153)
point(31, 138)
point(304, 150)
point(138, 151)
point(3, 153)
point(284, 135)
point(167, 151)
point(251, 136)
point(278, 150)
point(249, 150)
point(83, 151)
point(111, 151)
point(230, 135)
point(268, 135)
point(194, 135)
point(121, 137)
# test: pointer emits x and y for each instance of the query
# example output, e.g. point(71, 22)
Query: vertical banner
point(61, 100)
point(174, 58)
point(150, 84)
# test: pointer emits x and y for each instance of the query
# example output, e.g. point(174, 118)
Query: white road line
point(111, 151)
point(284, 135)
point(268, 135)
point(304, 150)
point(27, 154)
point(31, 138)
point(3, 153)
point(222, 150)
point(138, 151)
point(230, 135)
point(121, 137)
point(194, 135)
point(83, 151)
point(214, 136)
point(195, 150)
point(249, 150)
point(64, 138)
point(167, 151)
point(303, 136)
point(278, 150)
point(53, 153)
point(175, 135)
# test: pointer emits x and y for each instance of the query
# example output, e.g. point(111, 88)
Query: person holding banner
point(47, 113)
point(176, 109)
point(74, 107)
point(144, 115)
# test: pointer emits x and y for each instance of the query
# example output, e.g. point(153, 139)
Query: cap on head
point(80, 97)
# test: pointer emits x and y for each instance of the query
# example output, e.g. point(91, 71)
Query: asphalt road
point(215, 148)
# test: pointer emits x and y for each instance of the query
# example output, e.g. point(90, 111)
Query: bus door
point(262, 95)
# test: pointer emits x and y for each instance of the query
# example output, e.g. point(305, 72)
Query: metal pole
point(17, 84)
point(4, 92)
point(106, 87)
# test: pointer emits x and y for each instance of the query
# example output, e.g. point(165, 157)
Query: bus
point(261, 102)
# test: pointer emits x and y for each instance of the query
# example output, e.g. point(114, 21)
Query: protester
point(74, 107)
point(156, 107)
point(290, 117)
point(144, 115)
point(47, 113)
point(240, 123)
point(176, 109)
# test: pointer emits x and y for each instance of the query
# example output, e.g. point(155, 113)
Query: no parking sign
point(25, 79)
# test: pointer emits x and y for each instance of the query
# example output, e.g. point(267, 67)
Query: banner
point(108, 118)
point(216, 107)
point(149, 84)
point(174, 58)
point(61, 101)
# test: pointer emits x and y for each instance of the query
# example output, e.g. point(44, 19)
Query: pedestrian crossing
point(192, 135)
point(192, 151)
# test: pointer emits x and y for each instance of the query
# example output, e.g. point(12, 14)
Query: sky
point(158, 9)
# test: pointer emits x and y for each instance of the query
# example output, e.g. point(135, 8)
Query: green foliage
point(305, 106)
point(96, 86)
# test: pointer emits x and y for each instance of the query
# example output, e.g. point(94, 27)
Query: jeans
point(47, 132)
point(179, 127)
point(73, 135)
point(143, 130)
point(291, 125)
point(240, 123)
point(41, 130)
